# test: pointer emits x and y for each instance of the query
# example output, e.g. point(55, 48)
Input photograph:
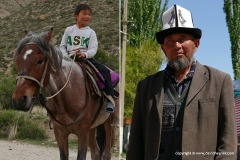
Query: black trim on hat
point(196, 32)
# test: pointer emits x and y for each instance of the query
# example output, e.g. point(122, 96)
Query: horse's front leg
point(62, 140)
point(82, 144)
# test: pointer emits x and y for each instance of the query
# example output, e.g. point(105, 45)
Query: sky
point(215, 46)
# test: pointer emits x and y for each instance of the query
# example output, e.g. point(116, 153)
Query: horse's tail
point(101, 138)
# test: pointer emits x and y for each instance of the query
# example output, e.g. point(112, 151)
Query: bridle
point(43, 99)
point(40, 83)
point(26, 76)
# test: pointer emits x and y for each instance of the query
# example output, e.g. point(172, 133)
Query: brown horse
point(72, 109)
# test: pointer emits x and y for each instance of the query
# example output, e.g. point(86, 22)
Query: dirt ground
point(14, 150)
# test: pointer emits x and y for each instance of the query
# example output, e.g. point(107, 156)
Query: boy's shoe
point(110, 107)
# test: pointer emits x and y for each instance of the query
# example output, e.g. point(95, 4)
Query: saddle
point(97, 80)
point(96, 85)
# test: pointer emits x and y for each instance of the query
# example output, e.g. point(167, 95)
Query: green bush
point(15, 124)
point(1, 75)
point(7, 84)
point(30, 130)
point(141, 62)
point(110, 61)
point(6, 120)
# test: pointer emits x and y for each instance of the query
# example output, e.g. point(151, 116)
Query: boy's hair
point(81, 7)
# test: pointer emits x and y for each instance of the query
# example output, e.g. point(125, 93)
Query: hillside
point(7, 7)
point(16, 16)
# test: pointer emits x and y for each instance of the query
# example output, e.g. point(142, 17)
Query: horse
point(42, 70)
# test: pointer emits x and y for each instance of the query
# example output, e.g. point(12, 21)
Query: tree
point(144, 56)
point(231, 9)
point(141, 62)
point(144, 20)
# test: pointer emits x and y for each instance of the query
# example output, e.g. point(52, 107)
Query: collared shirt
point(173, 111)
point(179, 87)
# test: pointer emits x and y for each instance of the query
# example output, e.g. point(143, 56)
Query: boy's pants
point(109, 90)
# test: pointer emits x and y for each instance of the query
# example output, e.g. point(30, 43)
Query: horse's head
point(33, 56)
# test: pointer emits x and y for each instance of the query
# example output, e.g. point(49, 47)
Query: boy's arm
point(63, 44)
point(92, 46)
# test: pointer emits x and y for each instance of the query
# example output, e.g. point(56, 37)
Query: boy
point(83, 40)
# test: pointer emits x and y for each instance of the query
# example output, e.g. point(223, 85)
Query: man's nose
point(176, 44)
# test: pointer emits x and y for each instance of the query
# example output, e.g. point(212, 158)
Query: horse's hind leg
point(95, 152)
point(82, 153)
point(62, 140)
point(109, 131)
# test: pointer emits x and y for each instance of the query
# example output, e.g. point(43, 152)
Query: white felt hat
point(177, 20)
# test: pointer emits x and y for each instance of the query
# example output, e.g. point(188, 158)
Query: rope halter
point(26, 76)
point(40, 83)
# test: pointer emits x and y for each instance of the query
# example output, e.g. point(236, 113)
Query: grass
point(17, 125)
point(21, 126)
point(31, 128)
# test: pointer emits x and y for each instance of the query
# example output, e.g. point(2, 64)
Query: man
point(185, 112)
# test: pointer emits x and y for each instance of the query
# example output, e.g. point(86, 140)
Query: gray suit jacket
point(208, 123)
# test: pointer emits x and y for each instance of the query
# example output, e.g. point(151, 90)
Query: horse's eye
point(40, 61)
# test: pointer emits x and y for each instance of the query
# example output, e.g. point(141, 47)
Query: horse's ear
point(48, 36)
point(25, 33)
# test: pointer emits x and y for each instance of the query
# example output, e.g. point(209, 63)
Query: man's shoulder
point(152, 78)
point(212, 72)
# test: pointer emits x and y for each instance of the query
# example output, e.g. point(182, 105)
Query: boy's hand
point(79, 54)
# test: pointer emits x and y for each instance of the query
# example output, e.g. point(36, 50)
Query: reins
point(44, 99)
point(47, 98)
point(40, 83)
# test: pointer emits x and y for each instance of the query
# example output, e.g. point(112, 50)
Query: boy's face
point(83, 18)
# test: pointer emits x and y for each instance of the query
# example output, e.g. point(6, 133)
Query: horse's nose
point(22, 101)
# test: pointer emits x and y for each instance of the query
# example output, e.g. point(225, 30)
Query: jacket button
point(179, 104)
point(177, 129)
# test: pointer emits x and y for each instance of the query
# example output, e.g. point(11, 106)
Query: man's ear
point(196, 42)
point(162, 47)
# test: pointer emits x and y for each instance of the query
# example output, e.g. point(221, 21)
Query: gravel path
point(14, 150)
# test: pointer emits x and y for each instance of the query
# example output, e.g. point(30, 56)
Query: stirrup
point(110, 107)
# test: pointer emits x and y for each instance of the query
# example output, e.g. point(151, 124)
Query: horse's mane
point(52, 52)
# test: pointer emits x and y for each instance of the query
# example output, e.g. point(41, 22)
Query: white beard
point(181, 63)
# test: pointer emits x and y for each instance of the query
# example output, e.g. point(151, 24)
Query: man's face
point(179, 49)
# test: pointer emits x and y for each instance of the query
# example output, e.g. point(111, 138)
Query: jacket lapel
point(154, 120)
point(200, 78)
point(158, 92)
